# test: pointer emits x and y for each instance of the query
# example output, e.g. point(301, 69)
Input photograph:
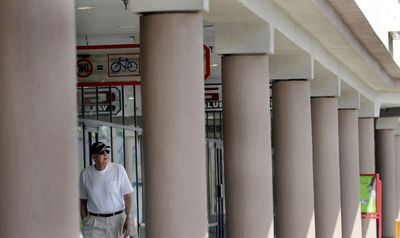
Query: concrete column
point(397, 174)
point(325, 137)
point(130, 148)
point(386, 167)
point(173, 126)
point(39, 169)
point(349, 173)
point(293, 163)
point(247, 146)
point(366, 138)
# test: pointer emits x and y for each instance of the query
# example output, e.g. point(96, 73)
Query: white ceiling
point(108, 17)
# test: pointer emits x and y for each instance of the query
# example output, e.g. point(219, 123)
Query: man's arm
point(128, 210)
point(83, 208)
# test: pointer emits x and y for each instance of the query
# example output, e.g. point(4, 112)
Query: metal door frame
point(91, 126)
point(217, 160)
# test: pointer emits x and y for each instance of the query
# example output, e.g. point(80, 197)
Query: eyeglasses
point(104, 152)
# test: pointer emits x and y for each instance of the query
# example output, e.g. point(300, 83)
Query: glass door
point(125, 146)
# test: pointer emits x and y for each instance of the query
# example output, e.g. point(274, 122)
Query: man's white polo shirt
point(104, 189)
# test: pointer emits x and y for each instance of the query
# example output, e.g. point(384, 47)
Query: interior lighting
point(131, 98)
point(83, 8)
point(214, 65)
point(126, 27)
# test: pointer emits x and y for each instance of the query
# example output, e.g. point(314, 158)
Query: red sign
point(84, 68)
point(207, 61)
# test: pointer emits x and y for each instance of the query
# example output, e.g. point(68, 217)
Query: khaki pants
point(103, 227)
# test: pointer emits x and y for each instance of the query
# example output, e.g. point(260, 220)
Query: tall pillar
point(386, 167)
point(130, 147)
point(366, 137)
point(326, 167)
point(366, 145)
point(397, 174)
point(247, 146)
point(39, 169)
point(349, 173)
point(173, 125)
point(292, 144)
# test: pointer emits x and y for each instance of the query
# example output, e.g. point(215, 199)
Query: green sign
point(368, 194)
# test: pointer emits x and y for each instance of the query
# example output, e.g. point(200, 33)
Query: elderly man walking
point(105, 196)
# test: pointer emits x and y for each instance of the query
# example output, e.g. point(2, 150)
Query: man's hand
point(83, 209)
point(126, 230)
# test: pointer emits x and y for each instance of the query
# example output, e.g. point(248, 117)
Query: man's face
point(101, 159)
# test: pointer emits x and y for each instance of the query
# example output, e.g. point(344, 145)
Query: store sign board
point(213, 97)
point(108, 63)
point(107, 101)
point(368, 194)
point(116, 63)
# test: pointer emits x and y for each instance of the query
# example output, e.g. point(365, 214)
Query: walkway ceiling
point(109, 18)
point(359, 25)
point(106, 18)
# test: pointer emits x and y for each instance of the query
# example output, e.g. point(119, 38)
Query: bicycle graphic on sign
point(123, 65)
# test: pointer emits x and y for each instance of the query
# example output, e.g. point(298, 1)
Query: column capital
point(325, 88)
point(325, 83)
point(369, 108)
point(244, 38)
point(146, 6)
point(291, 67)
point(349, 100)
point(383, 123)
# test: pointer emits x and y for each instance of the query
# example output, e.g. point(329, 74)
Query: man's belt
point(105, 214)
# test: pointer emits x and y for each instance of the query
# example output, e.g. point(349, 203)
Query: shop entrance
point(110, 114)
